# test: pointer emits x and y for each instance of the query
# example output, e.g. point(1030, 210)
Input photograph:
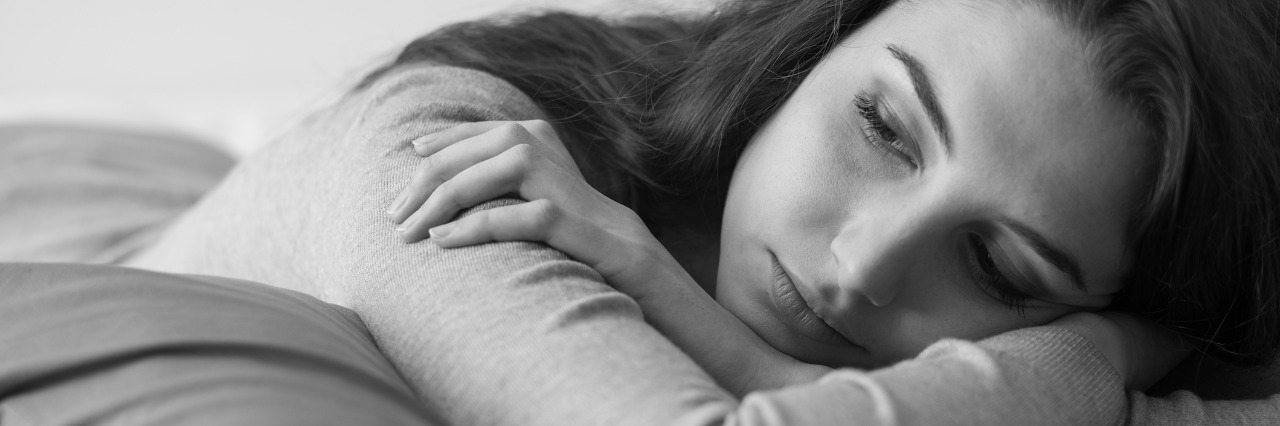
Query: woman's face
point(950, 170)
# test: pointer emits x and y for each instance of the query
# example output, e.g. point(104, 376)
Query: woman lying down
point(912, 212)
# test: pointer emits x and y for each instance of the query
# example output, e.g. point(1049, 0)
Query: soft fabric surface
point(85, 344)
point(72, 194)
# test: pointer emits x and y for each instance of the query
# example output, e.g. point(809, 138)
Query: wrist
point(1106, 336)
point(654, 273)
point(757, 366)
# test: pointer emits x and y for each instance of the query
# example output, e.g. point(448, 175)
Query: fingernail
point(395, 205)
point(440, 231)
point(424, 140)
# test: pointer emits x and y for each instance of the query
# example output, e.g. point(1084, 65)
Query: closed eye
point(987, 275)
point(878, 132)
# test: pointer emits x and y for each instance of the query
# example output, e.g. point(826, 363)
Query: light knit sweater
point(518, 334)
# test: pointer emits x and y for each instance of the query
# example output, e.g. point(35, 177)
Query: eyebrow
point(1051, 253)
point(925, 91)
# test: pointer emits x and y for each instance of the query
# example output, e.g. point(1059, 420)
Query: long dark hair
point(670, 102)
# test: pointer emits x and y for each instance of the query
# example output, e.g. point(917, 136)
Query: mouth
point(796, 312)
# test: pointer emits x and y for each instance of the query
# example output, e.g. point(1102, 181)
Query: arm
point(1183, 407)
point(509, 333)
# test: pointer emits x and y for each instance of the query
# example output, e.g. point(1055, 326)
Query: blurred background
point(235, 72)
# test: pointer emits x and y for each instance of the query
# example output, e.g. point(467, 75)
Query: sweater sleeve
point(508, 333)
point(1042, 375)
point(517, 333)
point(1183, 407)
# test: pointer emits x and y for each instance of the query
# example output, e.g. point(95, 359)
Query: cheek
point(785, 196)
point(809, 179)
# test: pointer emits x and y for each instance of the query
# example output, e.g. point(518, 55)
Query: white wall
point(233, 70)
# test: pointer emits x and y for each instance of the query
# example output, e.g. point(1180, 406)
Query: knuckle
point(435, 183)
point(429, 171)
point(512, 131)
point(523, 153)
point(544, 213)
point(539, 127)
point(487, 223)
point(630, 215)
point(446, 197)
point(479, 220)
point(549, 132)
point(454, 203)
point(427, 163)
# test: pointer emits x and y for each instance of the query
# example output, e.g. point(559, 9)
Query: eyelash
point(984, 271)
point(878, 132)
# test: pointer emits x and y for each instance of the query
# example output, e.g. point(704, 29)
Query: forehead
point(1032, 133)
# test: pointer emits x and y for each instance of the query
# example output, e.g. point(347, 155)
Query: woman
point(1083, 146)
point(343, 253)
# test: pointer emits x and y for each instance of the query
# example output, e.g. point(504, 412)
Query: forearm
point(544, 343)
point(1044, 375)
point(1184, 407)
point(1048, 375)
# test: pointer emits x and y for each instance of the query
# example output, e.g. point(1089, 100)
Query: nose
point(875, 253)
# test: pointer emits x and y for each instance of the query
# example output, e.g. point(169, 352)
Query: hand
point(1140, 350)
point(485, 140)
point(477, 162)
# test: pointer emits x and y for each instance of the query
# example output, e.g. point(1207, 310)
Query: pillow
point(87, 344)
point(95, 194)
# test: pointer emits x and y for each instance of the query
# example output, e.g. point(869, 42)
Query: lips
point(796, 312)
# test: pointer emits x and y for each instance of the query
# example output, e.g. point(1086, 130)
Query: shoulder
point(447, 89)
point(422, 98)
point(412, 100)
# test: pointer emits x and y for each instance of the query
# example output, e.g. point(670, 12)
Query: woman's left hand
point(1141, 351)
point(478, 162)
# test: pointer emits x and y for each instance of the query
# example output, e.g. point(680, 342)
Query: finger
point(541, 130)
point(449, 161)
point(416, 183)
point(519, 222)
point(430, 144)
point(487, 180)
point(540, 221)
